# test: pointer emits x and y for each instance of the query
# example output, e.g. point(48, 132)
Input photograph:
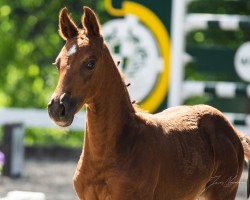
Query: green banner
point(139, 39)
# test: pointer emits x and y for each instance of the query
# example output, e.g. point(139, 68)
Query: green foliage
point(220, 7)
point(29, 44)
point(53, 137)
point(215, 37)
point(197, 100)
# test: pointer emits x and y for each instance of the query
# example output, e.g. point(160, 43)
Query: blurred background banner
point(139, 38)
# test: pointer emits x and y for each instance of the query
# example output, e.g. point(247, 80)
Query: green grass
point(51, 137)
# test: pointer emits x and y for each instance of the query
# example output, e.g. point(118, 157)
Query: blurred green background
point(29, 43)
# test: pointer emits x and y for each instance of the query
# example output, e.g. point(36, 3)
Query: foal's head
point(79, 65)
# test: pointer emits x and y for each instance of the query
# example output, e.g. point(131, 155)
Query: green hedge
point(51, 137)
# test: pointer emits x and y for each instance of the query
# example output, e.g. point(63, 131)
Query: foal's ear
point(67, 27)
point(90, 22)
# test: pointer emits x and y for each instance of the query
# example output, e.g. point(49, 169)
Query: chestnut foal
point(182, 153)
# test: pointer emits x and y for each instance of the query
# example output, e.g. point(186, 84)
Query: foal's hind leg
point(224, 182)
point(223, 185)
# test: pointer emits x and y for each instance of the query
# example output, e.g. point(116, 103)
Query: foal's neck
point(108, 113)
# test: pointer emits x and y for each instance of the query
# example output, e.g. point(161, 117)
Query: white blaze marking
point(72, 50)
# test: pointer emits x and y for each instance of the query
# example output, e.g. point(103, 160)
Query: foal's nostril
point(62, 109)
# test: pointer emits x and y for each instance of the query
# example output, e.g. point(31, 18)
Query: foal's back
point(200, 153)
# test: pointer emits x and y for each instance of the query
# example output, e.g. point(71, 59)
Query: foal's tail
point(245, 141)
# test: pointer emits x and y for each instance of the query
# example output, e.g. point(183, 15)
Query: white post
point(177, 52)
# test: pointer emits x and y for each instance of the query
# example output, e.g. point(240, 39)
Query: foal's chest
point(92, 185)
point(97, 190)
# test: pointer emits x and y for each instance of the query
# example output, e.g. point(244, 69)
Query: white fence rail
point(36, 118)
point(221, 21)
point(39, 118)
point(219, 89)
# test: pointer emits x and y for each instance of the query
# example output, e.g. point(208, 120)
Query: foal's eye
point(91, 64)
